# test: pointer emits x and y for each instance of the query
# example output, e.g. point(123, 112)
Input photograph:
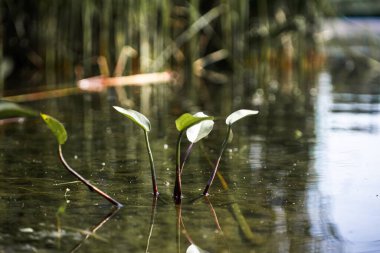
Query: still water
point(347, 160)
point(296, 183)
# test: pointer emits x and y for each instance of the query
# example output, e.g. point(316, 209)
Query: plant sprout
point(184, 122)
point(230, 120)
point(60, 133)
point(196, 133)
point(143, 122)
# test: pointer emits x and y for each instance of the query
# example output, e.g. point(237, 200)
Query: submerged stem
point(95, 228)
point(214, 214)
point(152, 218)
point(85, 181)
point(224, 145)
point(177, 194)
point(152, 168)
point(178, 234)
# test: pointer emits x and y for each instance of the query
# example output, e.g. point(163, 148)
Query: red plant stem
point(85, 181)
point(224, 145)
point(213, 214)
point(177, 194)
point(187, 154)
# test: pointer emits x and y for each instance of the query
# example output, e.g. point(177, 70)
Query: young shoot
point(143, 122)
point(230, 120)
point(196, 133)
point(60, 133)
point(184, 122)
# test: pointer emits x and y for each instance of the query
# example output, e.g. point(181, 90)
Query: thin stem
point(152, 168)
point(235, 207)
point(187, 154)
point(152, 218)
point(178, 235)
point(177, 195)
point(214, 214)
point(220, 176)
point(184, 231)
point(224, 145)
point(96, 227)
point(85, 181)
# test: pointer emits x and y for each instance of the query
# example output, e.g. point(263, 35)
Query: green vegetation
point(184, 122)
point(231, 119)
point(143, 122)
point(60, 133)
point(197, 127)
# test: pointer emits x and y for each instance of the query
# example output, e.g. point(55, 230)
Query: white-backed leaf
point(187, 120)
point(195, 249)
point(136, 117)
point(56, 127)
point(200, 130)
point(235, 116)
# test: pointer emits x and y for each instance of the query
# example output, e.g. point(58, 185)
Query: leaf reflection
point(193, 248)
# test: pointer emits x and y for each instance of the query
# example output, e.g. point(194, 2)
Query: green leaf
point(136, 117)
point(200, 130)
point(187, 120)
point(235, 116)
point(56, 127)
point(11, 110)
point(195, 249)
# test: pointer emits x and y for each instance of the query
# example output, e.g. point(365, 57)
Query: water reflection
point(347, 163)
point(262, 208)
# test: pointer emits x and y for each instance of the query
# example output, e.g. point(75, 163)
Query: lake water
point(299, 184)
point(298, 181)
point(346, 162)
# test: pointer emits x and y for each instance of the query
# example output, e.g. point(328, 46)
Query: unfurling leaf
point(56, 127)
point(235, 116)
point(200, 130)
point(12, 110)
point(187, 120)
point(136, 117)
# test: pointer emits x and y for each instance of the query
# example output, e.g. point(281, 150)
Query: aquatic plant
point(230, 120)
point(143, 122)
point(184, 122)
point(197, 127)
point(196, 133)
point(60, 133)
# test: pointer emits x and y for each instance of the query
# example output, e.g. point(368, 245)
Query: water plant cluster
point(195, 126)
